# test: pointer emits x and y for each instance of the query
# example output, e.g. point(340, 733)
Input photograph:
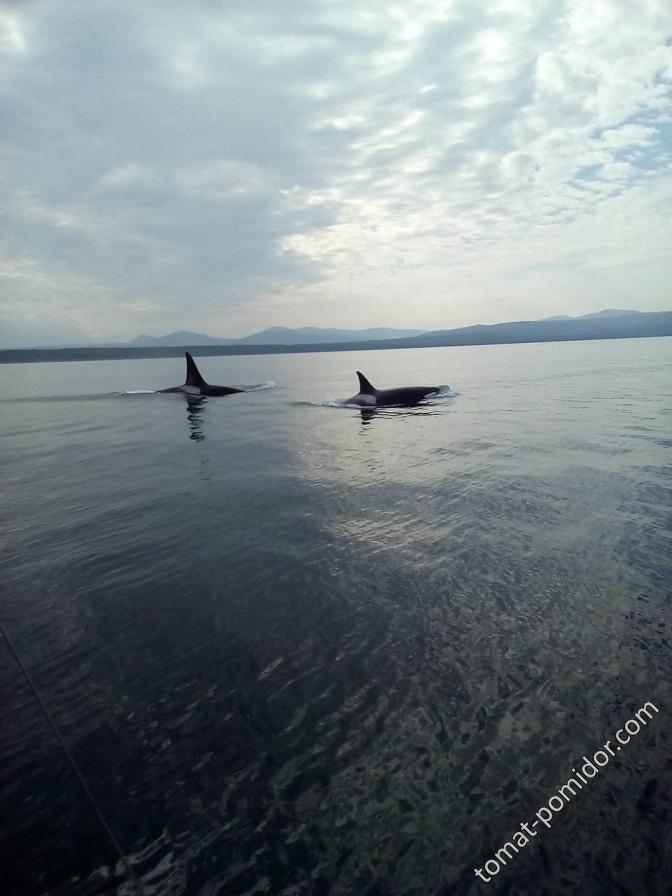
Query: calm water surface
point(296, 650)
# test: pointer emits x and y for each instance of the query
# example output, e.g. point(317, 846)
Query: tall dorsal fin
point(365, 387)
point(194, 377)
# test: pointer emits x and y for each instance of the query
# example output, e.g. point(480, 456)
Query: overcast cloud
point(223, 167)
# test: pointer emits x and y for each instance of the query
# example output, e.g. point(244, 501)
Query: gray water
point(297, 650)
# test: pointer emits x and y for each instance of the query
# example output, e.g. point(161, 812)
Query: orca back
point(194, 377)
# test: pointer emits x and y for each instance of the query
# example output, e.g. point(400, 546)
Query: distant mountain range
point(277, 336)
point(180, 337)
point(608, 324)
point(608, 312)
point(322, 336)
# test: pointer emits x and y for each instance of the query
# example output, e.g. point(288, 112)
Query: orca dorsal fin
point(194, 377)
point(365, 387)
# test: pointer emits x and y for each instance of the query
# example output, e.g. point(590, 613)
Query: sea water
point(295, 648)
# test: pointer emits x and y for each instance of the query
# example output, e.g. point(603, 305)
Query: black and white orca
point(370, 397)
point(196, 386)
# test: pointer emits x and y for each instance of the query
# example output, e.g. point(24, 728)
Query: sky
point(223, 167)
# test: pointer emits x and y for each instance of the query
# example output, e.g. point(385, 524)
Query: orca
point(195, 385)
point(370, 397)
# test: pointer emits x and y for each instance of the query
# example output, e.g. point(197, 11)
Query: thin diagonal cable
point(73, 763)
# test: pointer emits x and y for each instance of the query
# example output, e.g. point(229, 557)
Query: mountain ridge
point(333, 335)
point(619, 325)
point(276, 336)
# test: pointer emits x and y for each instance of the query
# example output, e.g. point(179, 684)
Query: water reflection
point(195, 407)
point(367, 415)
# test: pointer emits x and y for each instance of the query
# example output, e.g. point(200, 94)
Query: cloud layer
point(224, 167)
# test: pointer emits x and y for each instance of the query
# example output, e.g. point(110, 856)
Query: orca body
point(195, 385)
point(370, 397)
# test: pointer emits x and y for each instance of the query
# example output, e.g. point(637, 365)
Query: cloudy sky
point(227, 166)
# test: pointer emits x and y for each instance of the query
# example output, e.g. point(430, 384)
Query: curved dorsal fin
point(194, 377)
point(365, 387)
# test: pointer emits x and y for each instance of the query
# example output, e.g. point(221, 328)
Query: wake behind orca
point(369, 396)
point(195, 385)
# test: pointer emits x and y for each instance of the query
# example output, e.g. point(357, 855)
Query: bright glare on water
point(300, 649)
